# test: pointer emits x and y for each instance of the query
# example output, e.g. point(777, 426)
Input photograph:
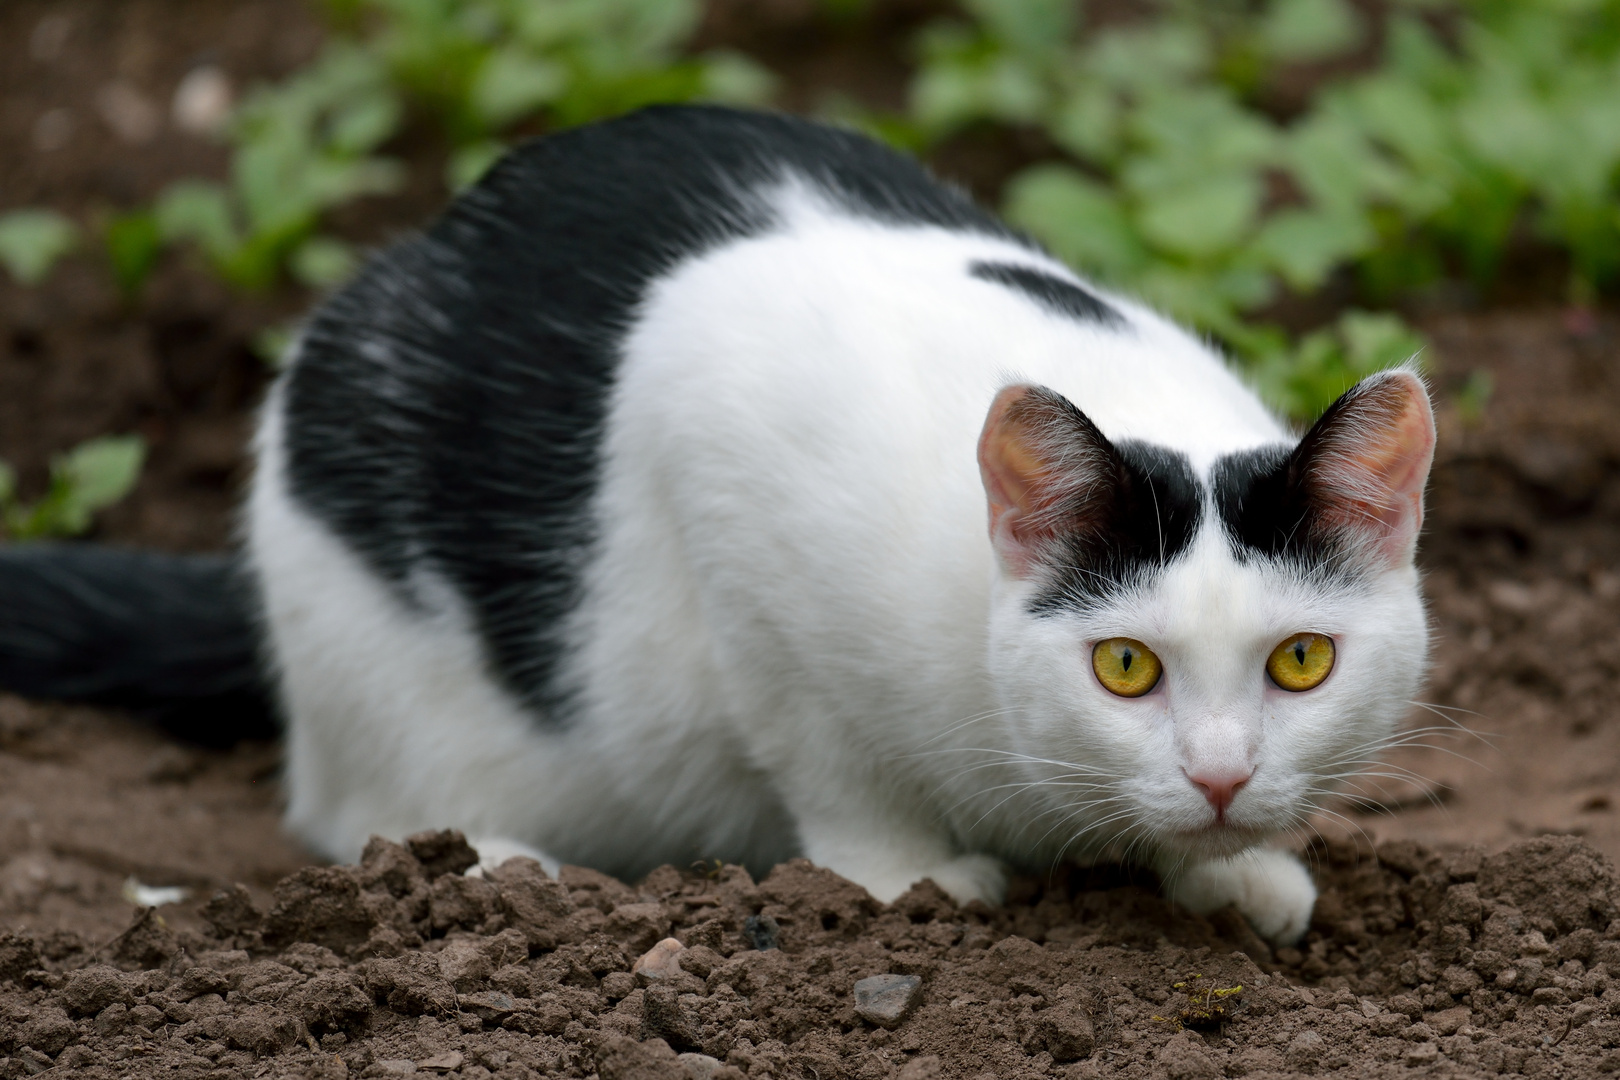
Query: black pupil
point(1125, 660)
point(1299, 652)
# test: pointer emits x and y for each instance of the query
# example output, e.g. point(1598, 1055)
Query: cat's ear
point(1045, 468)
point(1364, 464)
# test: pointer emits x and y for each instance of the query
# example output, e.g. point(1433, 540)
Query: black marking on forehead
point(1147, 521)
point(1050, 292)
point(1265, 508)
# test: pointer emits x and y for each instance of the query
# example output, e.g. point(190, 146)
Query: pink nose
point(1220, 788)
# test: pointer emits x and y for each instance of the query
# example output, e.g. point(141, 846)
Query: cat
point(711, 483)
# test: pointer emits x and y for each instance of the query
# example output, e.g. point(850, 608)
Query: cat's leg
point(849, 829)
point(887, 860)
point(1271, 888)
point(495, 850)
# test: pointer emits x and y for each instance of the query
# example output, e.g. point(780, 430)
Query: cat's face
point(1191, 663)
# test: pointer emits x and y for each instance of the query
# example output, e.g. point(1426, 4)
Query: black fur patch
point(1050, 292)
point(1266, 509)
point(445, 411)
point(1147, 517)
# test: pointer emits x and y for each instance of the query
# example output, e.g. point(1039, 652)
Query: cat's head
point(1189, 662)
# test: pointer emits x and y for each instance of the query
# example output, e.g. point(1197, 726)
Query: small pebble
point(489, 1005)
point(885, 1000)
point(448, 1061)
point(662, 961)
point(202, 101)
point(131, 114)
point(701, 1066)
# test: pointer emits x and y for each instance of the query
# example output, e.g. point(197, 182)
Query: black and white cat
point(715, 484)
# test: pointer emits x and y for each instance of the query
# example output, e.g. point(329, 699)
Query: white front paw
point(1271, 888)
point(972, 877)
point(965, 877)
point(494, 850)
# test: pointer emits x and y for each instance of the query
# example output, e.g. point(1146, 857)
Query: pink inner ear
point(1041, 461)
point(1011, 470)
point(1370, 470)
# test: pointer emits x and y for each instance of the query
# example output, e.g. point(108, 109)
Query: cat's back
point(704, 290)
point(445, 410)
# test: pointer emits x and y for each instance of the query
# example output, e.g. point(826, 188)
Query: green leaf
point(1202, 218)
point(1160, 54)
point(469, 163)
point(1027, 26)
point(1081, 220)
point(134, 243)
point(1304, 246)
point(1305, 379)
point(200, 212)
point(733, 79)
point(1339, 167)
point(90, 477)
point(512, 84)
point(31, 242)
point(322, 262)
point(1299, 31)
point(272, 343)
point(102, 471)
point(1088, 123)
point(1377, 340)
point(365, 124)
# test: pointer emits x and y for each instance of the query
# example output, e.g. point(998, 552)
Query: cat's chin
point(1214, 841)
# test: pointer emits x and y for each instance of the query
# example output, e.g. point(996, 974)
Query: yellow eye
point(1301, 662)
point(1126, 666)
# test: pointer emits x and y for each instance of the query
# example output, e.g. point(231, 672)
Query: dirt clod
point(442, 852)
point(1086, 971)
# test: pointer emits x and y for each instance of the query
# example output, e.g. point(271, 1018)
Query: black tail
point(171, 637)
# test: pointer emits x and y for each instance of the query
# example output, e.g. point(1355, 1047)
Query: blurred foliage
point(31, 241)
point(91, 476)
point(482, 68)
point(1453, 131)
point(1172, 180)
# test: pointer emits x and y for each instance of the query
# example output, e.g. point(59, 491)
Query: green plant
point(1301, 379)
point(90, 477)
point(32, 240)
point(484, 68)
point(487, 67)
point(1170, 180)
point(302, 148)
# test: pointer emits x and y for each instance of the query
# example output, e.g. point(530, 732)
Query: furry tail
point(170, 637)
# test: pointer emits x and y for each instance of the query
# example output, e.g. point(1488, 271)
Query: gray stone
point(704, 1067)
point(885, 1000)
point(492, 1005)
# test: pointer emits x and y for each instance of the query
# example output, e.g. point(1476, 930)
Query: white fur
point(795, 638)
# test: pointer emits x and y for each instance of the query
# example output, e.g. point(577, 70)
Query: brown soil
point(1425, 956)
point(1417, 961)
